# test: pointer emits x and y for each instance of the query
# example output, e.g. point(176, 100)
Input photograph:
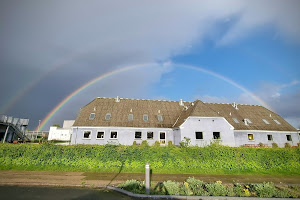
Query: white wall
point(126, 135)
point(279, 137)
point(207, 125)
point(59, 134)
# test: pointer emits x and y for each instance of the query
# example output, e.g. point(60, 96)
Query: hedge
point(169, 159)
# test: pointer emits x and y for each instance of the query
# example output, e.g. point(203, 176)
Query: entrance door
point(162, 138)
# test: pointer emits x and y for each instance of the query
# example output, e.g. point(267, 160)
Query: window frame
point(106, 115)
point(152, 135)
point(135, 134)
point(160, 118)
point(219, 135)
point(201, 135)
point(276, 121)
point(90, 136)
point(146, 115)
point(92, 118)
point(129, 117)
point(270, 137)
point(250, 137)
point(111, 135)
point(103, 135)
point(289, 136)
point(235, 120)
point(266, 121)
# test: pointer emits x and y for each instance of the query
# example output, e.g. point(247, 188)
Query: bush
point(132, 186)
point(134, 143)
point(170, 143)
point(287, 145)
point(260, 144)
point(216, 189)
point(196, 186)
point(274, 145)
point(171, 187)
point(156, 144)
point(144, 143)
point(185, 142)
point(265, 189)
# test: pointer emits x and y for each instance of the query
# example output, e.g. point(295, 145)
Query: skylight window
point(130, 117)
point(266, 121)
point(249, 121)
point(92, 116)
point(107, 116)
point(145, 117)
point(277, 122)
point(159, 118)
point(235, 120)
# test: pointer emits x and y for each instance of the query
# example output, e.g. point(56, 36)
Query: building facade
point(127, 121)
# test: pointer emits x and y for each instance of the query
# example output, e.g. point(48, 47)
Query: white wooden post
point(147, 178)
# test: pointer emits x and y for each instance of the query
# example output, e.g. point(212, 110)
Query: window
point(250, 137)
point(235, 120)
point(159, 118)
point(249, 121)
point(107, 116)
point(145, 117)
point(289, 137)
point(277, 122)
point(87, 134)
point(138, 135)
point(92, 116)
point(113, 134)
point(216, 135)
point(270, 137)
point(199, 135)
point(100, 135)
point(150, 135)
point(266, 121)
point(130, 117)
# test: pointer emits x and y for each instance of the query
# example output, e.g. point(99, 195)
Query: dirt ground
point(52, 178)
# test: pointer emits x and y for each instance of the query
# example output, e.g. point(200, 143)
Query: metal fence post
point(147, 178)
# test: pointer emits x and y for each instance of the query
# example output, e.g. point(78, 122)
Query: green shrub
point(134, 143)
point(171, 187)
point(287, 145)
point(265, 189)
point(216, 189)
point(260, 144)
point(274, 145)
point(170, 143)
point(185, 142)
point(196, 186)
point(156, 144)
point(132, 186)
point(144, 143)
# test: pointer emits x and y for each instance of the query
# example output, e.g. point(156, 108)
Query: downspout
point(5, 134)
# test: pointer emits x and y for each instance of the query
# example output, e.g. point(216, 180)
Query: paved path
point(11, 177)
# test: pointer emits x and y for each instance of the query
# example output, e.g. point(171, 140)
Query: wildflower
point(219, 182)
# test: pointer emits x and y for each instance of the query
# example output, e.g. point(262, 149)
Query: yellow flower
point(219, 182)
point(186, 184)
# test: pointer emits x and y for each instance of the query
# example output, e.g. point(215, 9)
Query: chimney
point(235, 105)
point(246, 122)
point(117, 99)
point(181, 102)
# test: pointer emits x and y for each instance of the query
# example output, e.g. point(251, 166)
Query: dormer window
point(92, 116)
point(277, 122)
point(159, 118)
point(266, 121)
point(107, 116)
point(145, 117)
point(130, 117)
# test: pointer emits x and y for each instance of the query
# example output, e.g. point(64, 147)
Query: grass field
point(169, 159)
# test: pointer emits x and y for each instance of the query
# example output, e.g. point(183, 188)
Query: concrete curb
point(191, 197)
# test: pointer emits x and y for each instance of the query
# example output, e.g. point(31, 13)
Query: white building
point(64, 133)
point(124, 121)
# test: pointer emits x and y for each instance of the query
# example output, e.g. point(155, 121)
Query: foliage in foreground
point(193, 186)
point(169, 159)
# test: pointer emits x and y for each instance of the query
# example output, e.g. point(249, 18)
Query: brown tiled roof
point(174, 114)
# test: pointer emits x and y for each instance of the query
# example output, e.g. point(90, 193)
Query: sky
point(228, 51)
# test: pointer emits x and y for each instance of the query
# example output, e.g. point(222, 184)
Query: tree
point(57, 125)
